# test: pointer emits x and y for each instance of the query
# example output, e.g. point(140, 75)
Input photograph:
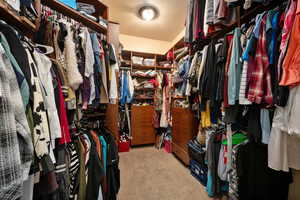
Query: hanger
point(26, 42)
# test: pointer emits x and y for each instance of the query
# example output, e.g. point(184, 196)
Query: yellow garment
point(205, 117)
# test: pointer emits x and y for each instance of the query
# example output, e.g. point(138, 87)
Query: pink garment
point(288, 24)
point(290, 66)
point(64, 124)
point(154, 82)
point(286, 30)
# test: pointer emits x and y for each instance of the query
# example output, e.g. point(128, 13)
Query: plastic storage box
point(124, 146)
point(137, 60)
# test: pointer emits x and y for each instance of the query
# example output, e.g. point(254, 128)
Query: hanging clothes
point(291, 74)
point(16, 149)
point(113, 92)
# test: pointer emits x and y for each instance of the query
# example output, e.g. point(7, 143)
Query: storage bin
point(168, 146)
point(199, 171)
point(149, 62)
point(137, 60)
point(124, 146)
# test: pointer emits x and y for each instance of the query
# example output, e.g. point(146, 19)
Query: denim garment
point(235, 69)
point(251, 44)
point(183, 73)
point(271, 34)
point(265, 125)
point(258, 20)
point(97, 52)
point(125, 98)
point(97, 68)
point(273, 46)
point(270, 15)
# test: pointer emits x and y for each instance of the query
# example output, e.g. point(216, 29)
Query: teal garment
point(235, 68)
point(104, 150)
point(23, 85)
point(209, 186)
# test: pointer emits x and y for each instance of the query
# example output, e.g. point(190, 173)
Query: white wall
point(146, 45)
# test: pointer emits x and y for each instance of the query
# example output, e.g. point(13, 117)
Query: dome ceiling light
point(148, 13)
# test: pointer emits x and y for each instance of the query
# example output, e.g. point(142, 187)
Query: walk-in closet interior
point(149, 99)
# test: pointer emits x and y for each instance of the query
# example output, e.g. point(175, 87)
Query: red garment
point(230, 42)
point(154, 82)
point(64, 124)
point(260, 89)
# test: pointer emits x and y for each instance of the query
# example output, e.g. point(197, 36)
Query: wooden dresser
point(143, 131)
point(183, 130)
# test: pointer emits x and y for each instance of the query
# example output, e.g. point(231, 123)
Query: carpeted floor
point(151, 174)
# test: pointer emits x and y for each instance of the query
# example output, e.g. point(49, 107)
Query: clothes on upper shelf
point(217, 73)
point(206, 17)
point(248, 81)
point(44, 155)
point(95, 58)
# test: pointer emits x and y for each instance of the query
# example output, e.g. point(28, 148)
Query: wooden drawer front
point(181, 153)
point(184, 126)
point(143, 131)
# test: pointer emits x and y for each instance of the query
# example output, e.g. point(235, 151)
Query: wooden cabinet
point(143, 131)
point(112, 119)
point(183, 130)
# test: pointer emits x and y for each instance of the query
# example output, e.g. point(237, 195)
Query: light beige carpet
point(151, 174)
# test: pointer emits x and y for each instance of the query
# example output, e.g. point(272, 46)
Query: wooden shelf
point(179, 97)
point(144, 67)
point(20, 22)
point(163, 68)
point(144, 89)
point(70, 12)
point(144, 55)
point(141, 76)
point(143, 98)
point(126, 62)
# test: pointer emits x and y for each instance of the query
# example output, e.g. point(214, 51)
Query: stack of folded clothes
point(151, 73)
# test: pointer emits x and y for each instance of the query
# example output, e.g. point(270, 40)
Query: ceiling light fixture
point(148, 13)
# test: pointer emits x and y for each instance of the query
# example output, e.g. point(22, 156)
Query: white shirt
point(44, 65)
point(15, 4)
point(113, 90)
point(284, 144)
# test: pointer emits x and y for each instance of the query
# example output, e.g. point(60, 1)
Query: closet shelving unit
point(185, 125)
point(142, 129)
point(111, 115)
point(245, 17)
point(141, 76)
point(12, 17)
point(74, 14)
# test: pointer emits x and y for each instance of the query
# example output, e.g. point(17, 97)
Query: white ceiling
point(166, 27)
